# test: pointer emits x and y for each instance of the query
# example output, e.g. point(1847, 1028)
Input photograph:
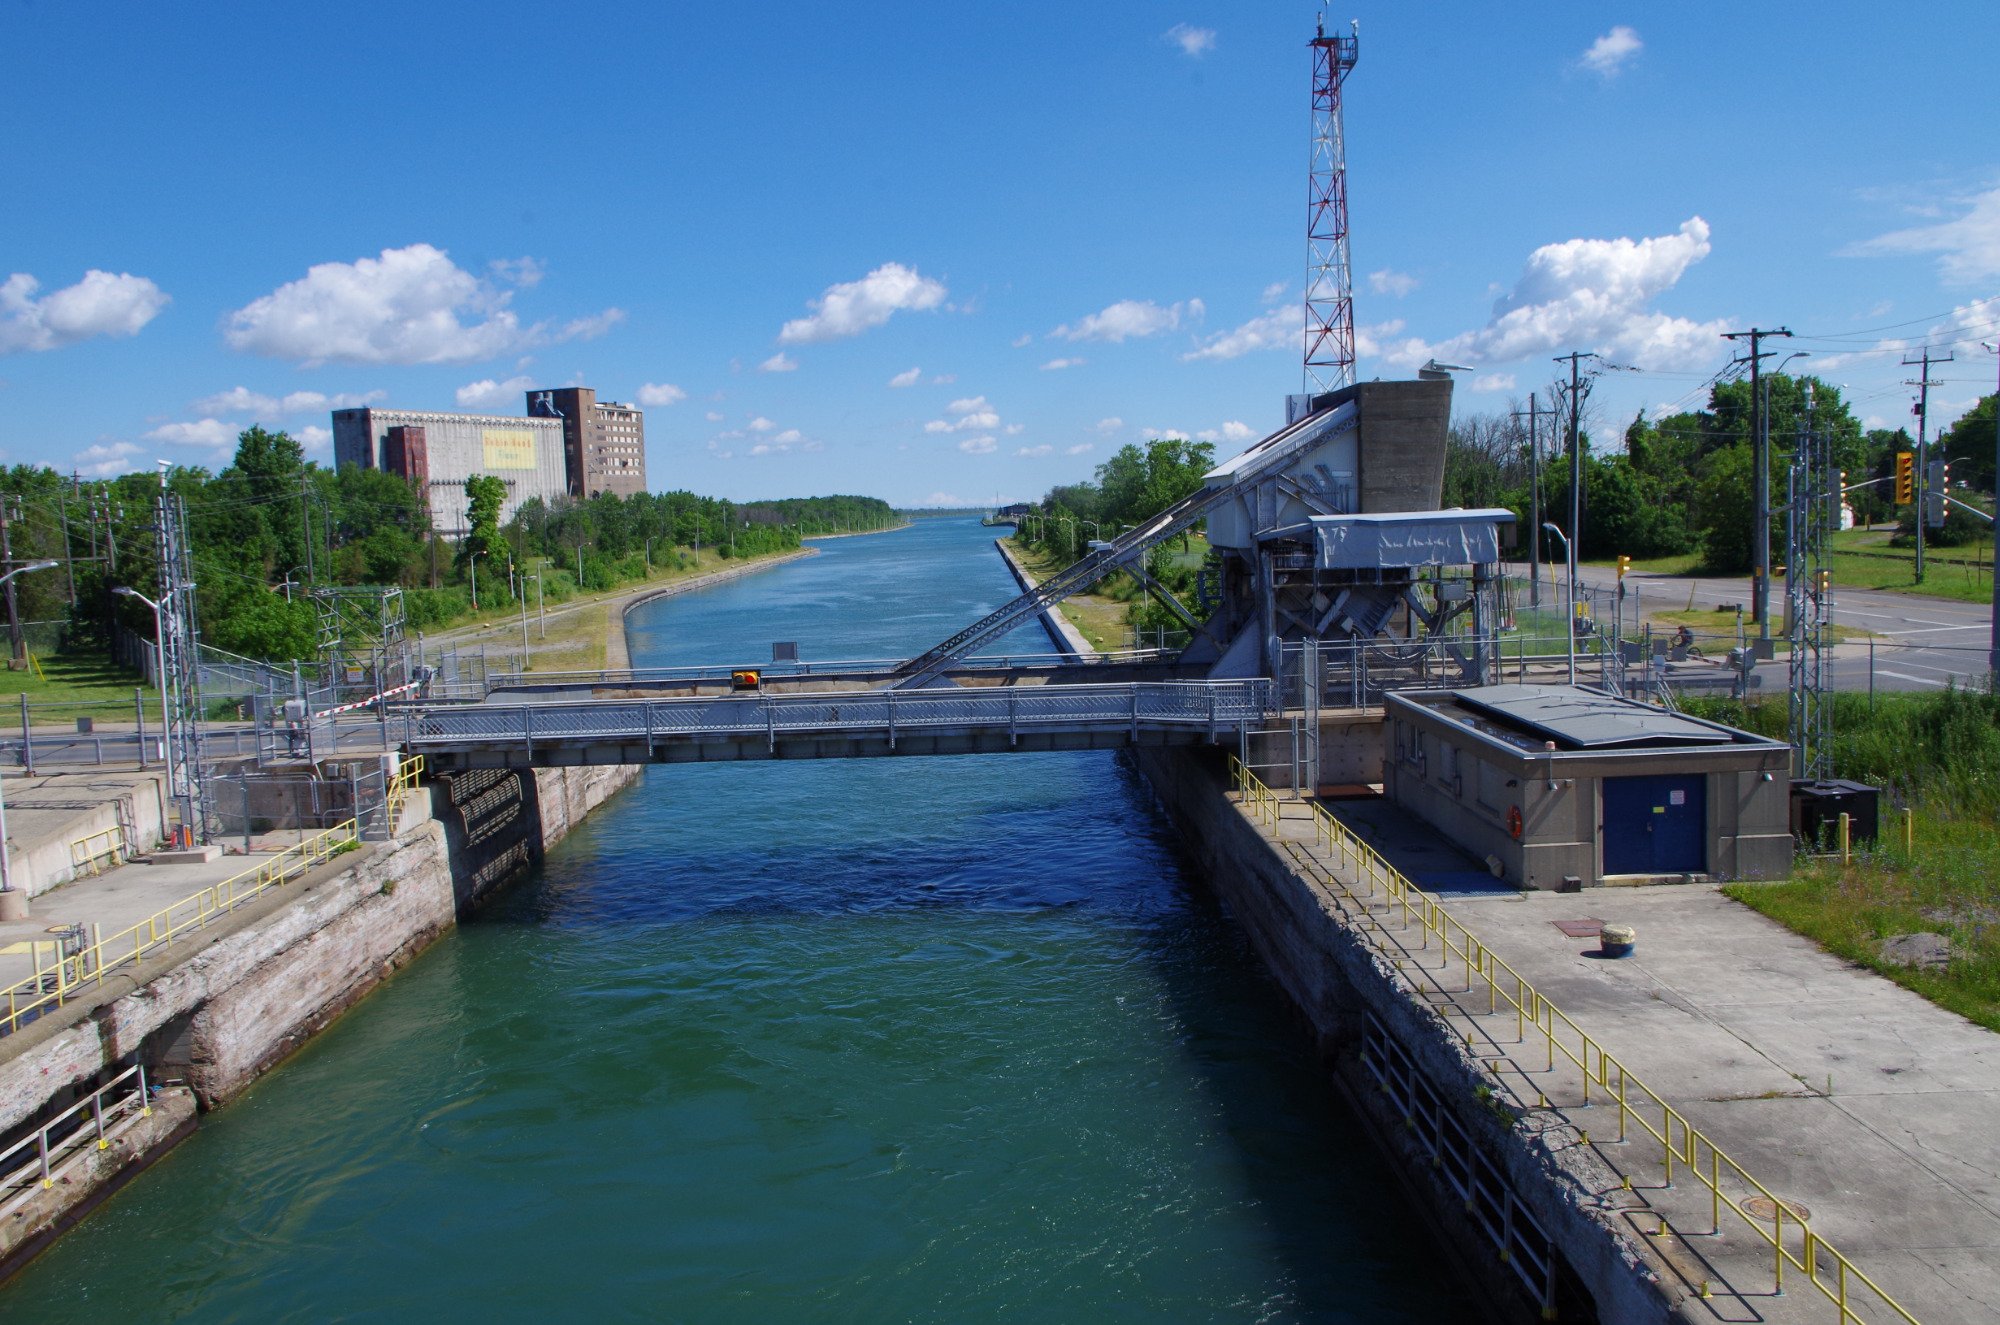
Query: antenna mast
point(1329, 348)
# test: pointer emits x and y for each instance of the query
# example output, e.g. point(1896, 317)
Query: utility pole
point(1922, 409)
point(305, 527)
point(1993, 650)
point(1760, 446)
point(1578, 388)
point(9, 512)
point(1534, 499)
point(69, 553)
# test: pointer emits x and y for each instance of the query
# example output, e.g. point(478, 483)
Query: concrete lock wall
point(283, 966)
point(1336, 981)
point(1350, 751)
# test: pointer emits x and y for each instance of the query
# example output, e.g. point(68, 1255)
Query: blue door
point(1656, 825)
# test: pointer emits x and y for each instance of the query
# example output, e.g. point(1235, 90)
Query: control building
point(604, 444)
point(439, 452)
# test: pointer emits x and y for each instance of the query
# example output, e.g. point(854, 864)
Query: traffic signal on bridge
point(1906, 477)
point(1624, 564)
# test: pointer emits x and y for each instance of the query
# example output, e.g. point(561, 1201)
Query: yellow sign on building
point(508, 448)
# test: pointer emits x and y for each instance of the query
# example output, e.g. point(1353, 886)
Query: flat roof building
point(1557, 783)
point(438, 452)
point(604, 443)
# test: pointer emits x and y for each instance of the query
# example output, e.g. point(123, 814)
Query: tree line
point(272, 524)
point(1686, 482)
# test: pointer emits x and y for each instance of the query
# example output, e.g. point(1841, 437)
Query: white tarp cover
point(1412, 538)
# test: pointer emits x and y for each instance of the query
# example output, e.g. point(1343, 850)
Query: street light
point(1993, 649)
point(472, 565)
point(13, 905)
point(1569, 599)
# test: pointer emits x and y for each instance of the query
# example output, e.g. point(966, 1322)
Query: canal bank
point(236, 996)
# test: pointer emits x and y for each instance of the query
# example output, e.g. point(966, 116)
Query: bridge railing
point(499, 678)
point(1213, 707)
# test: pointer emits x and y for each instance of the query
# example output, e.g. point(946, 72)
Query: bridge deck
point(837, 724)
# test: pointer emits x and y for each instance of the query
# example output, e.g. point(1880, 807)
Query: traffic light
point(1624, 564)
point(1906, 477)
point(1937, 480)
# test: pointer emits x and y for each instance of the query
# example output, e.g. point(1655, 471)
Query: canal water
point(883, 1040)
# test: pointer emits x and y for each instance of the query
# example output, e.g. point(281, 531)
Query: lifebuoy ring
point(1514, 822)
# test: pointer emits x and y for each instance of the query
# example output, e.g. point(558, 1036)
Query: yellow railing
point(88, 966)
point(87, 855)
point(1684, 1148)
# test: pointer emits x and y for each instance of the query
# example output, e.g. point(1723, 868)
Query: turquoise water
point(935, 1039)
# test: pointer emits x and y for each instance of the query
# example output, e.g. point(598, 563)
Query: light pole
point(13, 905)
point(159, 671)
point(472, 565)
point(1569, 600)
point(1993, 649)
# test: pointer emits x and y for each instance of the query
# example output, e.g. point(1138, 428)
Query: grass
point(67, 688)
point(1100, 617)
point(1938, 755)
point(1864, 559)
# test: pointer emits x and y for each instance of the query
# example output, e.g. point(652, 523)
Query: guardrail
point(87, 855)
point(87, 966)
point(1683, 1146)
point(33, 1162)
point(1209, 706)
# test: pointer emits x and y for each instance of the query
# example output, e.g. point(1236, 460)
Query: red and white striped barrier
point(364, 703)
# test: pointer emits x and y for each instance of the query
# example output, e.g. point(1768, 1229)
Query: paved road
point(1919, 643)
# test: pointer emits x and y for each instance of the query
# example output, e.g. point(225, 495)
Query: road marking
point(1932, 630)
point(1905, 676)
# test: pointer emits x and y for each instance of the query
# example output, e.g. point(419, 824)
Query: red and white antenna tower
point(1329, 283)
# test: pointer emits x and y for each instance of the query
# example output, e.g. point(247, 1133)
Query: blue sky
point(944, 254)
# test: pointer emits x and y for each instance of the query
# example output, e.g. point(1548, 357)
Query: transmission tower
point(1812, 514)
point(1329, 283)
point(180, 669)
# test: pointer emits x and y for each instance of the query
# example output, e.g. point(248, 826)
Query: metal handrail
point(1636, 1101)
point(39, 1172)
point(84, 858)
point(90, 965)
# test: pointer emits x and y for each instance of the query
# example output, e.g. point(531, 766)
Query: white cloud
point(242, 400)
point(1493, 382)
point(313, 437)
point(101, 304)
point(713, 416)
point(1013, 429)
point(977, 445)
point(1610, 53)
point(411, 305)
point(489, 394)
point(779, 363)
point(944, 379)
point(1969, 246)
point(760, 424)
point(1130, 318)
point(1273, 292)
point(1110, 425)
point(974, 414)
point(850, 308)
point(1592, 293)
point(201, 432)
point(106, 460)
point(590, 328)
point(1080, 448)
point(1389, 282)
point(523, 272)
point(1057, 365)
point(1192, 40)
point(944, 499)
point(1232, 431)
point(654, 395)
point(789, 437)
point(908, 377)
point(1036, 450)
point(1024, 338)
point(1281, 328)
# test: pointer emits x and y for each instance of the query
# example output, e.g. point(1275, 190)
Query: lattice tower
point(1329, 343)
point(1813, 515)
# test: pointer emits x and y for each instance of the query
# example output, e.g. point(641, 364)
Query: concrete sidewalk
point(114, 901)
point(1846, 1095)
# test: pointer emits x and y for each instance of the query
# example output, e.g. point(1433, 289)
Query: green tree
point(484, 495)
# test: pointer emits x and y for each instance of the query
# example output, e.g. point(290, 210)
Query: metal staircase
point(1256, 463)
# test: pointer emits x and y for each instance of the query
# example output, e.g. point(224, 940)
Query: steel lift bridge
point(1338, 578)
